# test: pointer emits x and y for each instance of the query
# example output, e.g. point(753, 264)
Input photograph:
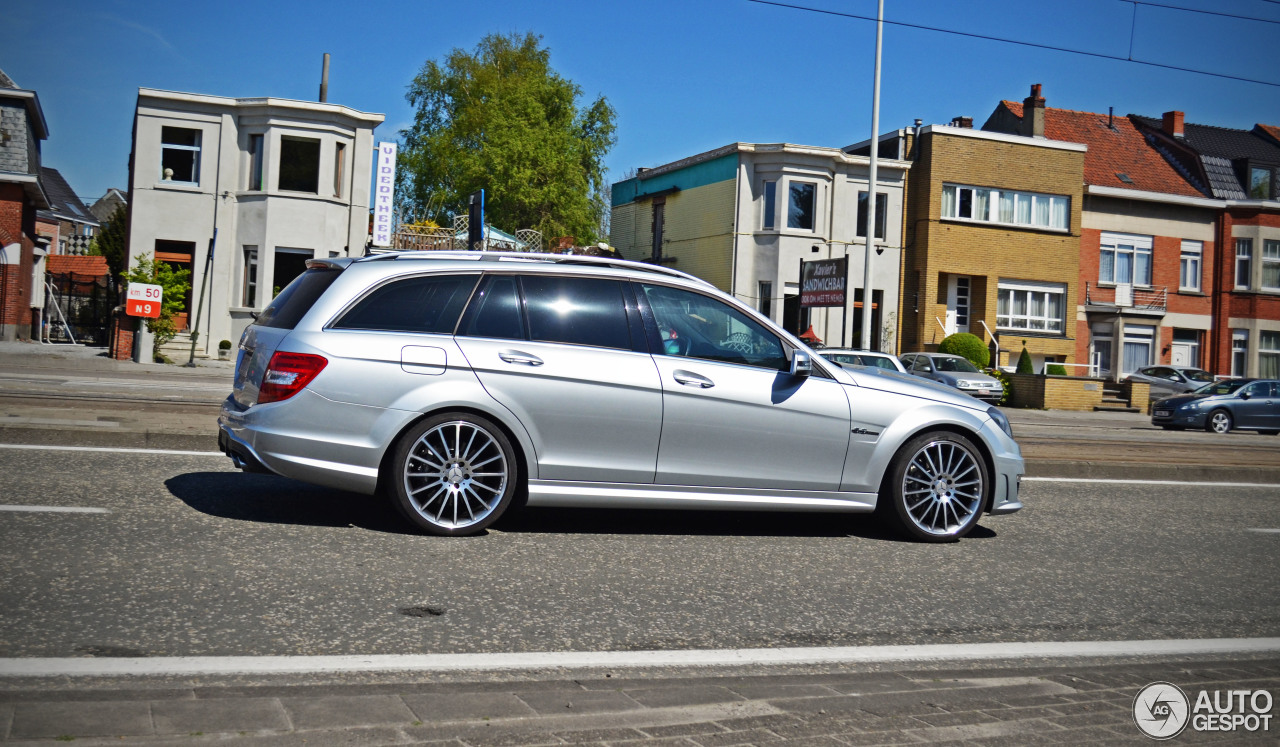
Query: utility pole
point(871, 188)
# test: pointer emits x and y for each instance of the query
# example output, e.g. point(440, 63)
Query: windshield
point(1195, 375)
point(1221, 387)
point(955, 364)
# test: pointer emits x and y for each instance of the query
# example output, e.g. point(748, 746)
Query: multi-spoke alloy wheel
point(936, 487)
point(1220, 421)
point(455, 474)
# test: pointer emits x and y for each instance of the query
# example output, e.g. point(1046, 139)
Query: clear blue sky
point(684, 76)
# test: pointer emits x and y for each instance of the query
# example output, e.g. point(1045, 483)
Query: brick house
point(993, 224)
point(22, 128)
point(1167, 224)
point(1147, 245)
point(745, 215)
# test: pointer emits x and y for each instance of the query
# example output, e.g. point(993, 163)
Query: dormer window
point(1262, 182)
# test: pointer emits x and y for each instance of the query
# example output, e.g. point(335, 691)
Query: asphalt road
point(192, 558)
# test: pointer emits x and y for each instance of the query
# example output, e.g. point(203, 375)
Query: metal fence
point(78, 308)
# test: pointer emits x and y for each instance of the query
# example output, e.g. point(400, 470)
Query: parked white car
point(862, 358)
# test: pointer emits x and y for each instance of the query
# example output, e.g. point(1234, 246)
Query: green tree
point(968, 346)
point(500, 118)
point(175, 284)
point(110, 242)
point(1024, 362)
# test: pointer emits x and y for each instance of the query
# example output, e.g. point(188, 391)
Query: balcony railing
point(1124, 296)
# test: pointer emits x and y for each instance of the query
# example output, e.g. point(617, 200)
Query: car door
point(733, 415)
point(1251, 405)
point(560, 352)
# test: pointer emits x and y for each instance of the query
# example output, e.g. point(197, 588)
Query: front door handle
point(688, 378)
point(516, 356)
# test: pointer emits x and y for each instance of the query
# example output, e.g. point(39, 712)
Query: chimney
point(1033, 113)
point(324, 80)
point(1172, 123)
point(962, 122)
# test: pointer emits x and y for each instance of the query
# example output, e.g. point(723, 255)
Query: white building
point(744, 216)
point(276, 181)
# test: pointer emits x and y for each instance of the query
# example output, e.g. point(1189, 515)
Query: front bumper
point(1178, 418)
point(1008, 467)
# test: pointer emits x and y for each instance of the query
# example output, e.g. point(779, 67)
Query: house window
point(1139, 342)
point(180, 155)
point(1244, 262)
point(299, 164)
point(339, 167)
point(255, 163)
point(800, 209)
point(770, 203)
point(1260, 183)
point(1030, 306)
point(249, 289)
point(1271, 265)
point(766, 299)
point(1005, 207)
point(1239, 351)
point(1269, 354)
point(882, 205)
point(1189, 277)
point(1125, 259)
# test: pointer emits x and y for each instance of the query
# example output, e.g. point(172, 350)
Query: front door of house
point(957, 304)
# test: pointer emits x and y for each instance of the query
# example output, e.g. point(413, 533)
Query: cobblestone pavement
point(976, 705)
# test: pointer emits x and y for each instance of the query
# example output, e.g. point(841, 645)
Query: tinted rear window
point(429, 304)
point(293, 303)
point(578, 311)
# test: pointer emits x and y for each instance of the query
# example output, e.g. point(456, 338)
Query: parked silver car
point(462, 383)
point(956, 371)
point(1166, 381)
point(862, 358)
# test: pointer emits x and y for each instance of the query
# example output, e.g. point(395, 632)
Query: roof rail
point(563, 259)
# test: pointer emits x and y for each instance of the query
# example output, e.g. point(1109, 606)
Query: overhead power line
point(1202, 12)
point(1018, 42)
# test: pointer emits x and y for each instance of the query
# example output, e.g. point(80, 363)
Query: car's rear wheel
point(935, 488)
point(453, 474)
point(1220, 421)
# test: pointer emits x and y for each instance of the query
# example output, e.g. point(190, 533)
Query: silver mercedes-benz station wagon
point(460, 384)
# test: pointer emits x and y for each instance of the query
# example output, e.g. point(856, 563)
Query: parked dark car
point(1248, 404)
point(1166, 381)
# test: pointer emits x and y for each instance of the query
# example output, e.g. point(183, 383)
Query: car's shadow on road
point(270, 499)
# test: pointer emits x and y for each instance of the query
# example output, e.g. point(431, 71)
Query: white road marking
point(57, 509)
point(110, 450)
point(17, 420)
point(1265, 531)
point(1109, 481)
point(211, 665)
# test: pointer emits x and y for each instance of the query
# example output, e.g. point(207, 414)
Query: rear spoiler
point(332, 263)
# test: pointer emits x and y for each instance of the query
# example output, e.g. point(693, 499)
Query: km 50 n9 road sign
point(143, 300)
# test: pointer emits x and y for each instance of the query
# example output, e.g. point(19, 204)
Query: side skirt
point(626, 495)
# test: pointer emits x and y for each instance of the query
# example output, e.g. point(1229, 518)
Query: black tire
point(1268, 433)
point(453, 474)
point(936, 488)
point(1219, 421)
point(1171, 427)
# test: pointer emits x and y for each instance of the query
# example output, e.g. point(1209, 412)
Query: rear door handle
point(516, 356)
point(689, 378)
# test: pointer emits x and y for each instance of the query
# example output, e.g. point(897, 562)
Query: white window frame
point(195, 165)
point(256, 172)
point(1189, 266)
point(1031, 291)
point(1270, 260)
point(769, 215)
point(1268, 348)
point(1244, 261)
point(1239, 352)
point(250, 269)
point(953, 194)
point(1118, 244)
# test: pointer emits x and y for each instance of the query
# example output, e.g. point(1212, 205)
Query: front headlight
point(963, 384)
point(1001, 420)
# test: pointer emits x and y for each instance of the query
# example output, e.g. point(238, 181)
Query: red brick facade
point(17, 224)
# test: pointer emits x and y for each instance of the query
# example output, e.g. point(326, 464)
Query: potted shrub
point(224, 350)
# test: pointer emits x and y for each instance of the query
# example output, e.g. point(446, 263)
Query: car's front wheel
point(1220, 421)
point(935, 488)
point(453, 474)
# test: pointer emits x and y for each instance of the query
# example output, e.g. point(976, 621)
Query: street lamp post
point(871, 187)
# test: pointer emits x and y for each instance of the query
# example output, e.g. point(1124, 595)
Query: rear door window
point(576, 310)
point(293, 303)
point(495, 310)
point(429, 304)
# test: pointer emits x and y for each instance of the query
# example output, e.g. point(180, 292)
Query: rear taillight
point(287, 374)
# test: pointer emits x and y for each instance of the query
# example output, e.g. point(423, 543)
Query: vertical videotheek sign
point(384, 190)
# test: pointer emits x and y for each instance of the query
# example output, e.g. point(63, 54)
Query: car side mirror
point(801, 364)
point(1245, 395)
